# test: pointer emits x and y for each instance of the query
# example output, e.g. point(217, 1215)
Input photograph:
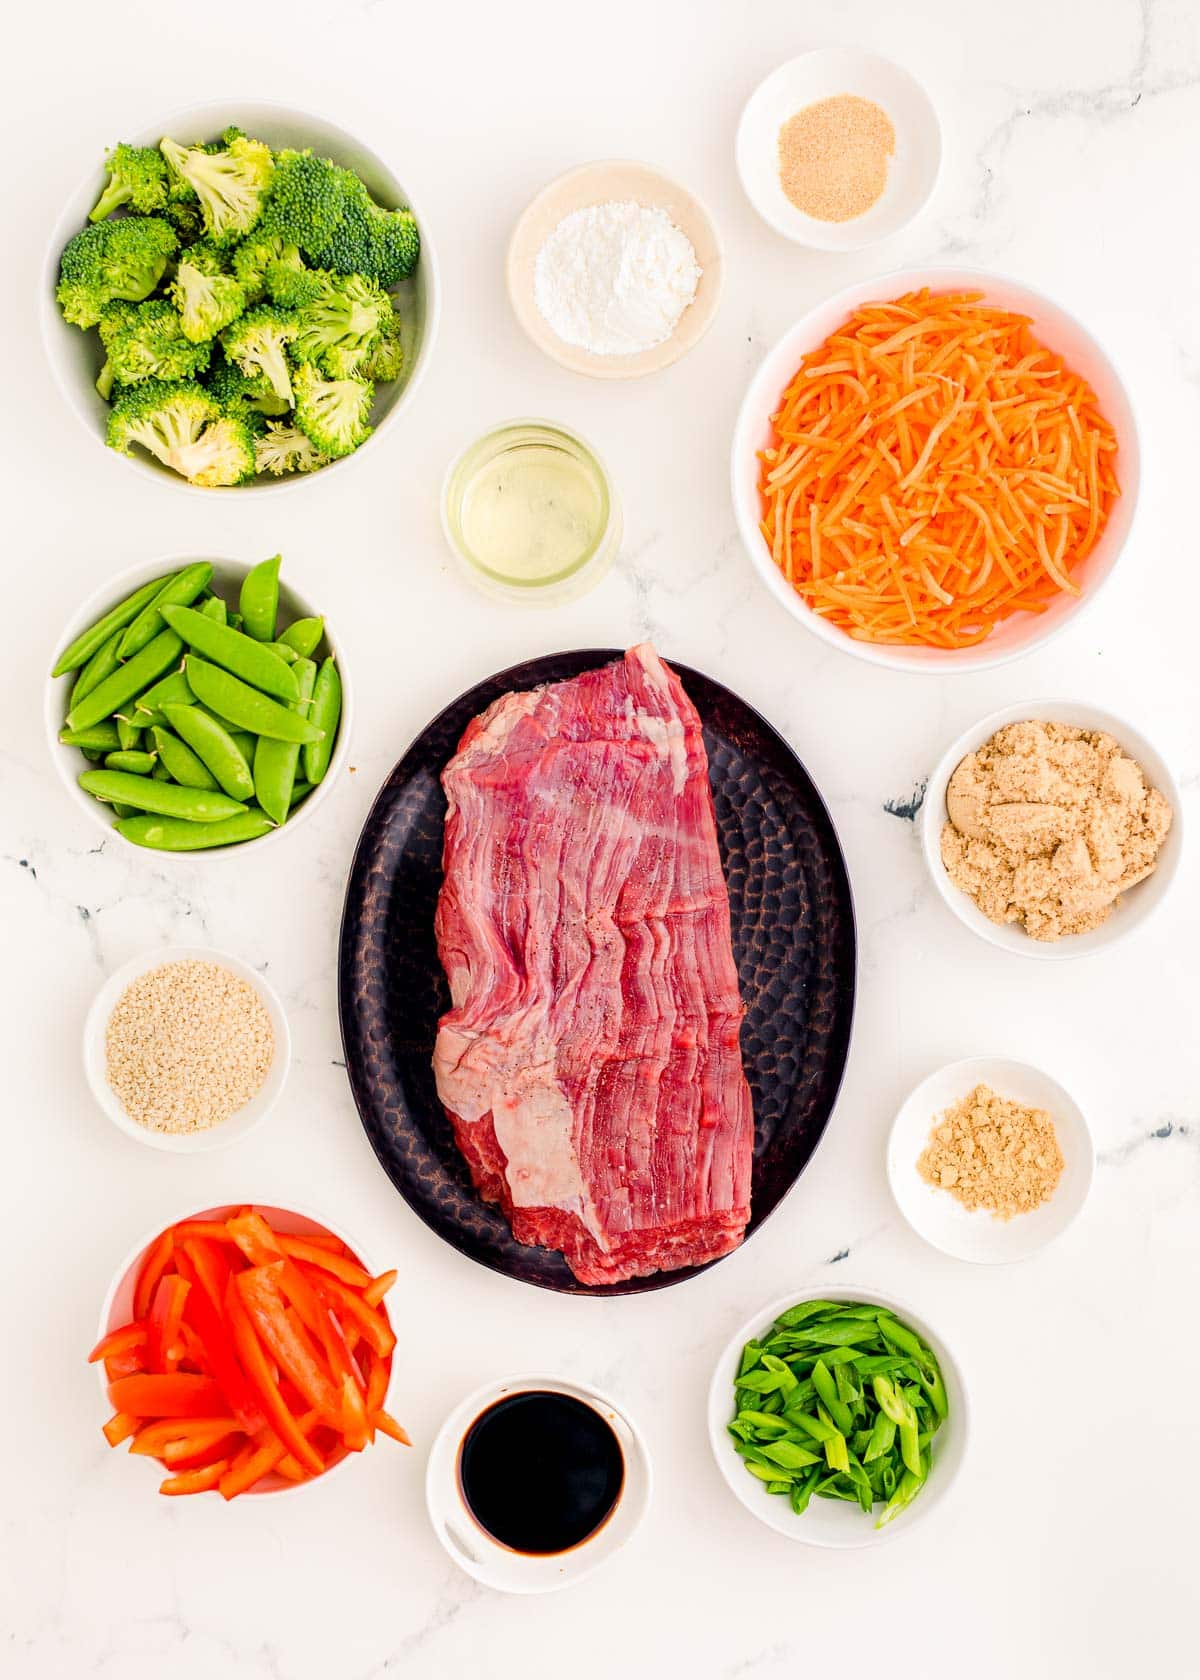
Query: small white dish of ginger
point(1046, 879)
point(990, 1160)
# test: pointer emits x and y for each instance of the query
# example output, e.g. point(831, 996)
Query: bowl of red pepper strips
point(246, 1349)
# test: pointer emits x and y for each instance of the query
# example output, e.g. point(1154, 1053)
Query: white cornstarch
point(188, 1044)
point(615, 278)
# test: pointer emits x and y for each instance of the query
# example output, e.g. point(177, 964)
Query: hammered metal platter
point(793, 941)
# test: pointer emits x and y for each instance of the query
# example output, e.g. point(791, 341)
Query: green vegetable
point(102, 664)
point(283, 651)
point(328, 213)
point(164, 798)
point(205, 303)
point(234, 651)
point(147, 708)
point(334, 414)
point(246, 707)
point(137, 176)
point(87, 642)
point(231, 182)
point(211, 742)
point(850, 1380)
point(275, 762)
point(178, 590)
point(127, 735)
point(168, 835)
point(136, 763)
point(286, 449)
point(258, 603)
point(304, 636)
point(124, 258)
point(182, 764)
point(126, 681)
point(185, 429)
point(100, 738)
point(151, 343)
point(338, 329)
point(256, 343)
point(325, 713)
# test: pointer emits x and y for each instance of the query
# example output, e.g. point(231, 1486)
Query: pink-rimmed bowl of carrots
point(954, 475)
point(246, 1348)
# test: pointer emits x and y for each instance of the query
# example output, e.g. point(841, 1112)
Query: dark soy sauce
point(540, 1471)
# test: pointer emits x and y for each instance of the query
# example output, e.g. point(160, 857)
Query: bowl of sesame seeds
point(186, 1048)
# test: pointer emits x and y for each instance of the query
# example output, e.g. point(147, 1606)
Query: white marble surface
point(1071, 138)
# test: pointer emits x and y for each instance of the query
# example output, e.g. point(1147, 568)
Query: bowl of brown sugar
point(839, 149)
point(990, 1160)
point(186, 1048)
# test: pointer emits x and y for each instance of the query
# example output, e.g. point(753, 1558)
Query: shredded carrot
point(933, 469)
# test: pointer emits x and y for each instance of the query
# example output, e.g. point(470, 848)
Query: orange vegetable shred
point(933, 469)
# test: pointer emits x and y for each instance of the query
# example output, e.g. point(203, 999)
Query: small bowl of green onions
point(838, 1418)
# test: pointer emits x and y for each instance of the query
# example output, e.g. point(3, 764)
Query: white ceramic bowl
point(832, 1522)
point(117, 1309)
point(942, 1220)
point(226, 581)
point(497, 1566)
point(1133, 908)
point(615, 180)
point(95, 1061)
point(824, 74)
point(1060, 331)
point(76, 357)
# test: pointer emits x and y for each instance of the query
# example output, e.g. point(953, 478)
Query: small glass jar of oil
point(531, 512)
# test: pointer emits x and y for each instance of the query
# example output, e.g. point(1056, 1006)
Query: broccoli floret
point(185, 215)
point(256, 344)
point(283, 449)
point(333, 413)
point(260, 256)
point(329, 214)
point(231, 184)
point(338, 329)
point(137, 176)
point(115, 317)
point(384, 359)
point(124, 258)
point(206, 302)
point(183, 426)
point(150, 344)
point(292, 286)
point(243, 393)
point(209, 258)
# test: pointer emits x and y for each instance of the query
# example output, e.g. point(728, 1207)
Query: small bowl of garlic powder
point(615, 270)
point(839, 149)
point(186, 1049)
point(989, 1160)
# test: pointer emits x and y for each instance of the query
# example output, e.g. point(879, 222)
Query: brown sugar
point(833, 157)
point(993, 1154)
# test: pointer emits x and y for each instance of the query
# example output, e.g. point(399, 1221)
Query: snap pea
point(128, 734)
point(233, 652)
point(182, 764)
point(86, 643)
point(300, 792)
point(210, 741)
point(215, 609)
point(282, 651)
point(324, 713)
point(304, 635)
point(244, 742)
point(102, 664)
point(164, 798)
point(846, 1381)
point(258, 601)
point(177, 591)
point(160, 773)
point(101, 737)
point(119, 810)
point(147, 707)
point(136, 763)
point(167, 835)
point(234, 621)
point(127, 680)
point(275, 761)
point(246, 707)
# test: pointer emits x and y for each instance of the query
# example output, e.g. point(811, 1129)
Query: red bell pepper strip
point(377, 1382)
point(177, 1457)
point(287, 1340)
point(258, 1459)
point(177, 1394)
point(326, 1239)
point(260, 1245)
point(378, 1287)
point(288, 1467)
point(347, 1270)
point(155, 1264)
point(195, 1481)
point(123, 1340)
point(257, 1368)
point(206, 1264)
point(387, 1423)
point(350, 1308)
point(153, 1439)
point(356, 1431)
point(120, 1427)
point(209, 1230)
point(220, 1358)
point(166, 1315)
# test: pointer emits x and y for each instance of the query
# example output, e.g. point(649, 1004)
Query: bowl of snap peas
point(838, 1417)
point(198, 706)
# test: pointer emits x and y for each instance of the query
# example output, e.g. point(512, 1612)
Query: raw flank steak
point(589, 1063)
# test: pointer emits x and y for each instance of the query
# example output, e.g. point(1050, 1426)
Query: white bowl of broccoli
point(239, 296)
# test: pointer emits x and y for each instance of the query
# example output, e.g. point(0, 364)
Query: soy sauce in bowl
point(540, 1472)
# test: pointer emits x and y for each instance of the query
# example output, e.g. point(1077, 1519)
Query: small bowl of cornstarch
point(186, 1048)
point(615, 270)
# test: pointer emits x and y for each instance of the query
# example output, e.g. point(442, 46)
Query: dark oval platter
point(793, 940)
